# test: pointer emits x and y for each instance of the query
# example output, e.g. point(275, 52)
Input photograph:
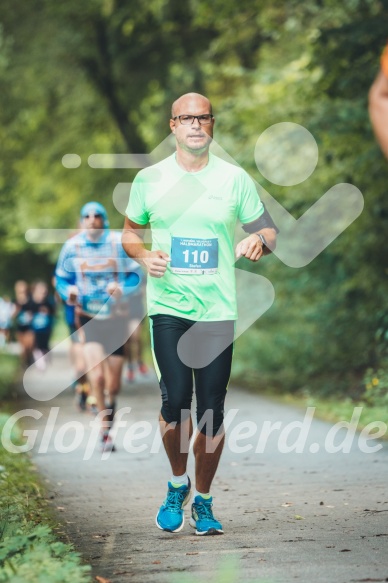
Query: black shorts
point(23, 328)
point(205, 352)
point(42, 338)
point(112, 333)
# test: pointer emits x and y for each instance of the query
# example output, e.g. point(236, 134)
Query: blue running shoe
point(202, 518)
point(171, 515)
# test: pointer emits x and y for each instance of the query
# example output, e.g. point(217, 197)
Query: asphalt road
point(310, 516)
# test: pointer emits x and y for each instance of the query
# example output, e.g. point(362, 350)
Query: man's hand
point(155, 262)
point(251, 247)
point(114, 290)
point(72, 295)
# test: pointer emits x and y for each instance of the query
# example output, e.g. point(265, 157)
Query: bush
point(376, 388)
point(29, 550)
point(9, 365)
point(37, 556)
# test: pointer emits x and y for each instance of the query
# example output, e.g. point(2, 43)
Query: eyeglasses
point(188, 120)
point(96, 216)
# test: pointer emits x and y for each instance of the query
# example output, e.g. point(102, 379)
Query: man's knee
point(97, 377)
point(210, 421)
point(175, 414)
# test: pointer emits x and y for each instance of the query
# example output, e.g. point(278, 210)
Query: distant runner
point(94, 274)
point(43, 307)
point(24, 314)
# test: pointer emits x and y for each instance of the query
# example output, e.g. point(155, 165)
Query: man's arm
point(378, 110)
point(254, 247)
point(64, 279)
point(261, 240)
point(155, 262)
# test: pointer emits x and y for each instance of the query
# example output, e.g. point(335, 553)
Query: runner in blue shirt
point(94, 274)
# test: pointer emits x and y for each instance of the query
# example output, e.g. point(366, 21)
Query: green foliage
point(37, 556)
point(29, 550)
point(100, 77)
point(335, 410)
point(322, 331)
point(376, 387)
point(9, 365)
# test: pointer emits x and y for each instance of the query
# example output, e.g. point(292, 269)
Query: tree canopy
point(100, 77)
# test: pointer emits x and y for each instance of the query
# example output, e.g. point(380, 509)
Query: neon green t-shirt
point(193, 216)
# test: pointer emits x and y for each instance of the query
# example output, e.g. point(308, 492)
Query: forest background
point(100, 76)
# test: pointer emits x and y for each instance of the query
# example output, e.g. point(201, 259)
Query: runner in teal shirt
point(192, 201)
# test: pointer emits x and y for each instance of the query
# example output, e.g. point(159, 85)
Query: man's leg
point(176, 384)
point(97, 365)
point(78, 360)
point(207, 452)
point(94, 356)
point(81, 383)
point(211, 386)
point(132, 348)
point(115, 369)
point(26, 340)
point(176, 440)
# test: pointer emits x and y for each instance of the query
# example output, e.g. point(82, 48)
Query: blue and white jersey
point(92, 266)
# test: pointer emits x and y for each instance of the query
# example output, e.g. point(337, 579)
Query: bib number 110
point(203, 256)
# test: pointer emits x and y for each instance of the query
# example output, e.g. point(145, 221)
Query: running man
point(23, 318)
point(94, 274)
point(192, 201)
point(42, 322)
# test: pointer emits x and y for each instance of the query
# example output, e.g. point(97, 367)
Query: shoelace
point(174, 500)
point(204, 510)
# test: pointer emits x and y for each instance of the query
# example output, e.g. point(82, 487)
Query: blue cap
point(95, 208)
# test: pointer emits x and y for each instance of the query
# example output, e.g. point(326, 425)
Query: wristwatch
point(262, 239)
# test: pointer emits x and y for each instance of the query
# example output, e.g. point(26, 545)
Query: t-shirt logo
point(101, 264)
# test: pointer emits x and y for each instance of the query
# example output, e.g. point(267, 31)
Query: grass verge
point(339, 410)
point(9, 365)
point(29, 549)
point(328, 409)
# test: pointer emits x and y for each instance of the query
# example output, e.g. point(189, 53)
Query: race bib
point(24, 318)
point(41, 321)
point(96, 306)
point(194, 256)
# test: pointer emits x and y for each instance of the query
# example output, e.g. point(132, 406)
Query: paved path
point(287, 516)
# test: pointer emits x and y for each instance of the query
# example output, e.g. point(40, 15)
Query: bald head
point(192, 135)
point(190, 101)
